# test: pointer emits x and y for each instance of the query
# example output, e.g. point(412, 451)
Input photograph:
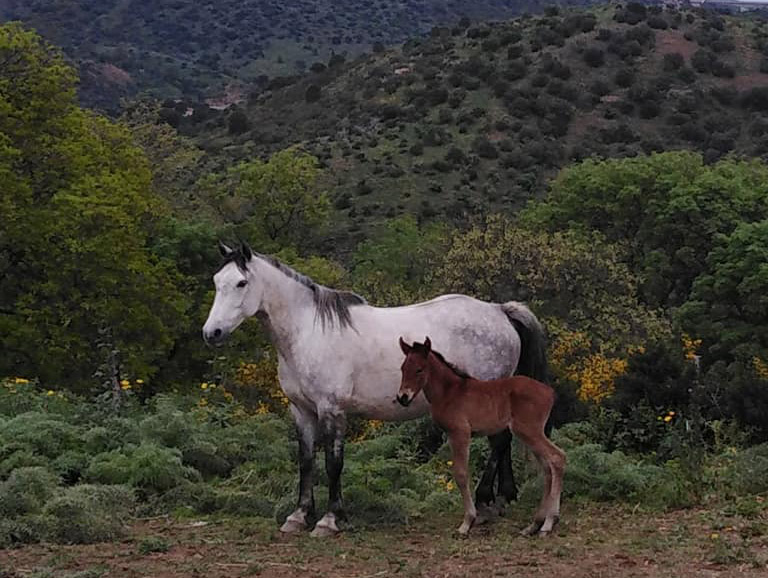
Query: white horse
point(339, 356)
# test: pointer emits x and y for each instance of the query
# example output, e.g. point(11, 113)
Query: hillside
point(478, 119)
point(172, 48)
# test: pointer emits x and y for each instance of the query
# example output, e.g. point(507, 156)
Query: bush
point(26, 491)
point(88, 513)
point(149, 467)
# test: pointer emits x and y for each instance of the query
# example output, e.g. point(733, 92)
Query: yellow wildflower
point(140, 381)
point(714, 535)
point(203, 386)
point(668, 418)
point(672, 413)
point(449, 463)
point(125, 386)
point(125, 382)
point(51, 392)
point(20, 380)
point(449, 486)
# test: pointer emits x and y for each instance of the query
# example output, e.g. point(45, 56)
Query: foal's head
point(415, 370)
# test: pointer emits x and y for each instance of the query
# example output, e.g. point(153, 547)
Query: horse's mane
point(331, 305)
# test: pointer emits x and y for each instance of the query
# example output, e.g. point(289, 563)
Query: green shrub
point(148, 466)
point(594, 473)
point(88, 513)
point(150, 544)
point(26, 491)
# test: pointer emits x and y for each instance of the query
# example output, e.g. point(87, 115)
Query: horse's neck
point(286, 303)
point(442, 381)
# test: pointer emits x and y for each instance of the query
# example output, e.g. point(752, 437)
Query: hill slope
point(184, 47)
point(478, 119)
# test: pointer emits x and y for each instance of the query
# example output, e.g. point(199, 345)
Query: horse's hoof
point(325, 527)
point(292, 527)
point(485, 514)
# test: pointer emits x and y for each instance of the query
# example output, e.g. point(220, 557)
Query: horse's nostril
point(217, 333)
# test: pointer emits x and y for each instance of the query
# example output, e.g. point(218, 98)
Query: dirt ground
point(593, 541)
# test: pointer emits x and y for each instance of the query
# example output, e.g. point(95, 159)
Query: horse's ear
point(427, 344)
point(246, 250)
point(224, 250)
point(405, 347)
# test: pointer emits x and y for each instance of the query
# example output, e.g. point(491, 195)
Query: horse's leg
point(484, 495)
point(459, 440)
point(333, 426)
point(552, 460)
point(306, 427)
point(507, 485)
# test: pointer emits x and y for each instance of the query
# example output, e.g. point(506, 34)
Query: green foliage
point(151, 544)
point(727, 302)
point(577, 281)
point(88, 513)
point(79, 183)
point(275, 203)
point(26, 491)
point(394, 266)
point(641, 202)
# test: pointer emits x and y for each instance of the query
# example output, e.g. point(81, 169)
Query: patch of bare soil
point(592, 541)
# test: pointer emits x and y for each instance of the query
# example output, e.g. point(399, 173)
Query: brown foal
point(462, 405)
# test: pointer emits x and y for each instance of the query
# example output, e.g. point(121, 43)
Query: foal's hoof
point(533, 528)
point(325, 527)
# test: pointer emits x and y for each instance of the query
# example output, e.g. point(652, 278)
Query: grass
point(608, 540)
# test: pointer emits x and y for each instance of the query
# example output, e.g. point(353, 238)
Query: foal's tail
point(533, 351)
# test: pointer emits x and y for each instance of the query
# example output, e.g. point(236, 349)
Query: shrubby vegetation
point(648, 271)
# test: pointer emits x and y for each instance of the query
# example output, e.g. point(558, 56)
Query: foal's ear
point(246, 250)
point(427, 344)
point(224, 250)
point(405, 347)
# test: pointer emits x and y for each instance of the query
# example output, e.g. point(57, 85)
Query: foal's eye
point(242, 283)
point(420, 370)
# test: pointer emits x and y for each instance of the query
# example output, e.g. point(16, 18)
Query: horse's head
point(415, 370)
point(238, 296)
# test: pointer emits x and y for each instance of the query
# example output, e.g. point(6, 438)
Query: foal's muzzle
point(404, 400)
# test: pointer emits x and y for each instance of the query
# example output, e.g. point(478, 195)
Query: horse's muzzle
point(404, 400)
point(215, 337)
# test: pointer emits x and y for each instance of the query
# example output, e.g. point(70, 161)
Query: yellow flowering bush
point(256, 384)
point(572, 357)
point(760, 367)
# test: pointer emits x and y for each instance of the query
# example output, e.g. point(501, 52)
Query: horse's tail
point(533, 352)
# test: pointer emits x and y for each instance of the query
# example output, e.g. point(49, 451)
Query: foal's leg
point(333, 426)
point(459, 440)
point(552, 460)
point(306, 427)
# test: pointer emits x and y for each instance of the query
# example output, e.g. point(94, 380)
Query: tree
point(395, 265)
point(276, 203)
point(728, 305)
point(77, 278)
point(666, 209)
point(576, 281)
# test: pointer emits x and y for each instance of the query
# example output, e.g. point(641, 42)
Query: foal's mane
point(331, 305)
point(459, 372)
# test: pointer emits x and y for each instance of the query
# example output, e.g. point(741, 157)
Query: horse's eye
point(420, 370)
point(242, 283)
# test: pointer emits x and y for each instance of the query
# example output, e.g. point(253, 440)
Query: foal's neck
point(442, 380)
